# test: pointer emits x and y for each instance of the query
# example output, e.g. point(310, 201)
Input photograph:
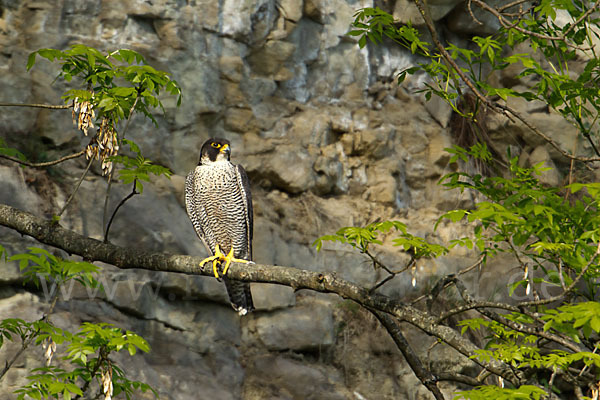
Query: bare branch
point(569, 288)
point(424, 375)
point(49, 106)
point(477, 305)
point(113, 170)
point(392, 273)
point(509, 5)
point(62, 210)
point(130, 195)
point(514, 24)
point(43, 164)
point(467, 380)
point(51, 233)
point(536, 331)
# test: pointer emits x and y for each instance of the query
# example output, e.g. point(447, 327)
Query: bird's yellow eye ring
point(216, 145)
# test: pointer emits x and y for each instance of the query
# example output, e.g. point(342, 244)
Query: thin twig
point(43, 164)
point(130, 195)
point(551, 381)
point(568, 289)
point(93, 372)
point(377, 261)
point(578, 392)
point(507, 24)
point(509, 5)
point(499, 108)
point(476, 305)
point(571, 166)
point(472, 266)
point(560, 274)
point(76, 187)
point(460, 378)
point(113, 170)
point(478, 22)
point(448, 284)
point(49, 106)
point(381, 283)
point(392, 273)
point(462, 290)
point(585, 366)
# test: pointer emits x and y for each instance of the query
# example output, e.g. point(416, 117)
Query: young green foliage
point(552, 233)
point(50, 383)
point(361, 238)
point(114, 82)
point(114, 87)
point(88, 352)
point(525, 392)
point(8, 151)
point(573, 96)
point(138, 169)
point(40, 263)
point(520, 216)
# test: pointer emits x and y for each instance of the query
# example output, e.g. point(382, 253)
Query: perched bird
point(219, 204)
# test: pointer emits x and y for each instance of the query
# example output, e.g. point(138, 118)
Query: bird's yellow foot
point(218, 258)
point(215, 260)
point(229, 258)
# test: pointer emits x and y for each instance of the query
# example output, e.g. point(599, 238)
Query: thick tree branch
point(424, 375)
point(53, 234)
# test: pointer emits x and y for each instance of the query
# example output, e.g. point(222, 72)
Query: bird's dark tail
point(239, 295)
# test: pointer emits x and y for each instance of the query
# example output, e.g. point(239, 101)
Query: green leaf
point(139, 187)
point(362, 42)
point(31, 60)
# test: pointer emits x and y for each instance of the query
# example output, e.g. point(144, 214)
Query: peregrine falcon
point(218, 202)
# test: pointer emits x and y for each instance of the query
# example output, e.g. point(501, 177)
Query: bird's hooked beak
point(225, 149)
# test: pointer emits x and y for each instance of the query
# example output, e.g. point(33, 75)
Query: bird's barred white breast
point(218, 202)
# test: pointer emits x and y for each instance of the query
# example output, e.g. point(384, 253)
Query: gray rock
point(405, 11)
point(279, 377)
point(440, 110)
point(257, 89)
point(15, 191)
point(290, 170)
point(551, 176)
point(385, 190)
point(249, 21)
point(332, 171)
point(307, 40)
point(291, 9)
point(336, 70)
point(300, 328)
point(269, 60)
point(269, 297)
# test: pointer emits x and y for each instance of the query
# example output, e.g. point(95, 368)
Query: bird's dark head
point(215, 149)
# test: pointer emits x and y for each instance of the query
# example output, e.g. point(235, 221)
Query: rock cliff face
point(328, 140)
